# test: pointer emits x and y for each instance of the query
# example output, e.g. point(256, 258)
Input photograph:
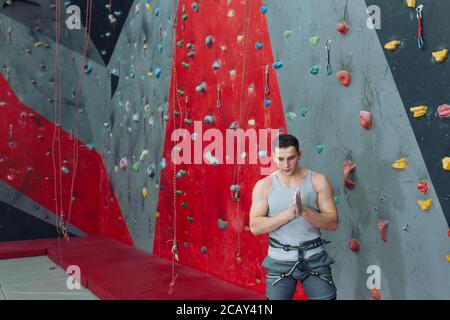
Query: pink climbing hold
point(342, 28)
point(444, 111)
point(422, 186)
point(376, 295)
point(344, 77)
point(365, 119)
point(382, 228)
point(353, 245)
point(349, 167)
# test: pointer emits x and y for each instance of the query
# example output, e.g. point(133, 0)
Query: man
point(292, 205)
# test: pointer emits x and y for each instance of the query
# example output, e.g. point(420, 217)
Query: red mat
point(112, 270)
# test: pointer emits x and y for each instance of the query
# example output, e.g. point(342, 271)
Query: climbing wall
point(325, 115)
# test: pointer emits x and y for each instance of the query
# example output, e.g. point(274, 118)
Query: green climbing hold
point(314, 69)
point(287, 33)
point(303, 112)
point(314, 40)
point(185, 65)
point(336, 200)
point(184, 204)
point(190, 219)
point(203, 249)
point(291, 116)
point(180, 92)
point(319, 148)
point(136, 166)
point(222, 224)
point(180, 173)
point(185, 16)
point(176, 113)
point(187, 121)
point(178, 192)
point(186, 245)
point(180, 43)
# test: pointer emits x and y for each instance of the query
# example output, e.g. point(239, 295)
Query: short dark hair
point(285, 141)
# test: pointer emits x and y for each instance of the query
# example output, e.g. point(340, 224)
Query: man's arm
point(260, 223)
point(327, 218)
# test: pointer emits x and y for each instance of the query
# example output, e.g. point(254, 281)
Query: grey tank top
point(299, 229)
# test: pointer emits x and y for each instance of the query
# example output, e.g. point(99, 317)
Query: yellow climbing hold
point(411, 3)
point(419, 111)
point(440, 55)
point(446, 163)
point(393, 45)
point(424, 205)
point(144, 192)
point(400, 164)
point(448, 258)
point(149, 7)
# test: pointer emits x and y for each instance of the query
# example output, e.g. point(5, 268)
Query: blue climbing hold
point(87, 68)
point(160, 48)
point(157, 12)
point(263, 9)
point(157, 73)
point(277, 64)
point(258, 45)
point(267, 102)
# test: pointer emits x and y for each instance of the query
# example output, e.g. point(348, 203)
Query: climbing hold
point(180, 92)
point(144, 192)
point(180, 43)
point(353, 245)
point(411, 3)
point(184, 205)
point(419, 111)
point(240, 37)
point(233, 74)
point(424, 205)
point(376, 295)
point(87, 68)
point(160, 48)
point(336, 200)
point(184, 16)
point(319, 148)
point(405, 227)
point(314, 69)
point(344, 77)
point(392, 45)
point(382, 228)
point(287, 33)
point(365, 119)
point(267, 103)
point(233, 125)
point(277, 64)
point(136, 117)
point(201, 87)
point(262, 154)
point(222, 224)
point(180, 173)
point(216, 65)
point(195, 6)
point(151, 171)
point(123, 164)
point(400, 164)
point(263, 9)
point(291, 116)
point(314, 40)
point(258, 45)
point(185, 65)
point(136, 166)
point(251, 122)
point(342, 28)
point(349, 167)
point(209, 120)
point(448, 258)
point(190, 219)
point(144, 154)
point(303, 112)
point(440, 56)
point(163, 163)
point(446, 163)
point(444, 111)
point(209, 41)
point(178, 192)
point(203, 249)
point(230, 14)
point(157, 73)
point(422, 186)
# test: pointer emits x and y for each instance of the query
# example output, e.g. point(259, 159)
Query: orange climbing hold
point(376, 294)
point(342, 28)
point(349, 167)
point(344, 77)
point(411, 3)
point(365, 119)
point(382, 228)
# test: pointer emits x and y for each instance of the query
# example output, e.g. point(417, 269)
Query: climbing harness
point(420, 41)
point(328, 48)
point(301, 263)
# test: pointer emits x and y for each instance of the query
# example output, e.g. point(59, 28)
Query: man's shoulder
point(318, 179)
point(264, 183)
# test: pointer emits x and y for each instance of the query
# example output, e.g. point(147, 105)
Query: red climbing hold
point(444, 111)
point(353, 245)
point(382, 228)
point(342, 28)
point(344, 77)
point(448, 232)
point(422, 186)
point(349, 167)
point(365, 119)
point(376, 294)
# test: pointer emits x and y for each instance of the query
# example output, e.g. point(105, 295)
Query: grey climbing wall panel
point(412, 262)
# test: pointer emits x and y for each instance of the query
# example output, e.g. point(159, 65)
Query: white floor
point(37, 278)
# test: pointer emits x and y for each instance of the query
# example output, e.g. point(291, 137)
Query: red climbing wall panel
point(205, 189)
point(26, 165)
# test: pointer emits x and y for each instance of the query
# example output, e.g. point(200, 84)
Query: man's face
point(287, 160)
